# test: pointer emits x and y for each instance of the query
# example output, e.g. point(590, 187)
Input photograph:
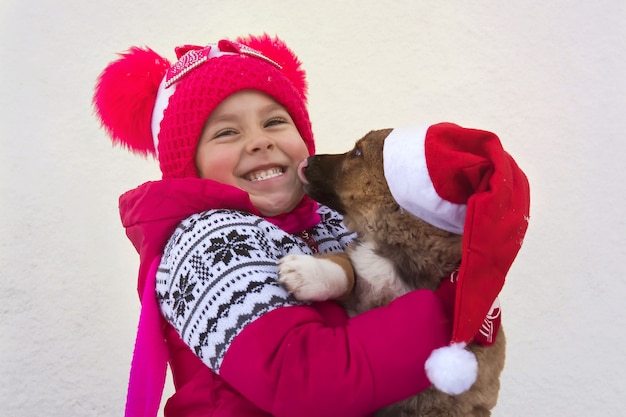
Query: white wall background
point(548, 77)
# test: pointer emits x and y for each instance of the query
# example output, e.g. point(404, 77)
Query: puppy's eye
point(356, 153)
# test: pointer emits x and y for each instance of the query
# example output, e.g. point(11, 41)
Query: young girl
point(229, 126)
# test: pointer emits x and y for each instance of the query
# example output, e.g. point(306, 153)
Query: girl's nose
point(259, 141)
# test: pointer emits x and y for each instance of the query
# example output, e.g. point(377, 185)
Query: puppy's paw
point(312, 279)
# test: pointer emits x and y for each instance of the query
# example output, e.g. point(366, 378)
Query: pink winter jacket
point(305, 361)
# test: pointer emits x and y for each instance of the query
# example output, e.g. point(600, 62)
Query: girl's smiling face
point(250, 141)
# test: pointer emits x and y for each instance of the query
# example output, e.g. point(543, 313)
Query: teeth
point(264, 175)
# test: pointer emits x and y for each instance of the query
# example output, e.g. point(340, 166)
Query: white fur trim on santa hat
point(410, 184)
point(452, 369)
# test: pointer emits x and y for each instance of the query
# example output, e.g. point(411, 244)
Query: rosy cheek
point(301, 150)
point(218, 169)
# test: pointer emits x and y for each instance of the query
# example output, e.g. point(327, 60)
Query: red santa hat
point(461, 180)
point(155, 108)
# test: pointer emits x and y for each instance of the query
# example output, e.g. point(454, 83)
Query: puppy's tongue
point(301, 168)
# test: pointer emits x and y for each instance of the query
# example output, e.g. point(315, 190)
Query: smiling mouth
point(265, 174)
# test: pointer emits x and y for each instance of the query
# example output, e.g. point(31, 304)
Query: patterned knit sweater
point(237, 343)
point(219, 273)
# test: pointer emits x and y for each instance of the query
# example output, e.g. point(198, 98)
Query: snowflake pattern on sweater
point(219, 273)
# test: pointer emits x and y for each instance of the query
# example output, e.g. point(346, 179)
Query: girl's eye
point(225, 133)
point(275, 121)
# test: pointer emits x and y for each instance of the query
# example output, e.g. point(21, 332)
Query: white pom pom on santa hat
point(461, 180)
point(452, 369)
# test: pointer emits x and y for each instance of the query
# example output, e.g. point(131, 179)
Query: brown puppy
point(395, 252)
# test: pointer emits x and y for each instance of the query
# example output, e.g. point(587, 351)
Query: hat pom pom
point(276, 50)
point(124, 98)
point(452, 369)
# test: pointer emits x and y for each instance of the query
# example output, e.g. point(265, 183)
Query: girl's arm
point(289, 362)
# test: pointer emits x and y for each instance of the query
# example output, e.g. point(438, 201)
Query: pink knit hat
point(152, 107)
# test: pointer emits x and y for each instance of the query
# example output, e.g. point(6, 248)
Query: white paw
point(312, 279)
